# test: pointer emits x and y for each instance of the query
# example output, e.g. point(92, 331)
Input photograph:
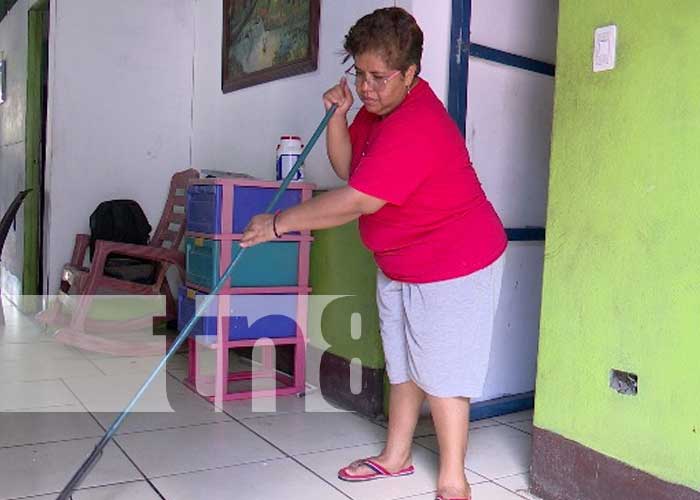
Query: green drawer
point(275, 263)
point(202, 261)
point(271, 264)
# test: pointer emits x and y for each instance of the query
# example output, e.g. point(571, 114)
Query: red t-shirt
point(437, 223)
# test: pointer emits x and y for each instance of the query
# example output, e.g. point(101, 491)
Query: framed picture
point(264, 40)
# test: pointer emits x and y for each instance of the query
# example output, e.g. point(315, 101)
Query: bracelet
point(274, 224)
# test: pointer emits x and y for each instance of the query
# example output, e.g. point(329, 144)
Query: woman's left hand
point(259, 230)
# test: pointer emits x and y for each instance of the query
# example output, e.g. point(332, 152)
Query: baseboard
point(502, 406)
point(334, 379)
point(563, 469)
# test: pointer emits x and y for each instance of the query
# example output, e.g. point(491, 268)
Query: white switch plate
point(604, 48)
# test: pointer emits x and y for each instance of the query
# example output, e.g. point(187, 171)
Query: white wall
point(509, 117)
point(13, 42)
point(238, 131)
point(524, 28)
point(120, 93)
point(435, 19)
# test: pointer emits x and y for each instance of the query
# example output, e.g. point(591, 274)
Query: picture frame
point(265, 40)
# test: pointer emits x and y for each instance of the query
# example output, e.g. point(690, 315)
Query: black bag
point(119, 220)
point(125, 222)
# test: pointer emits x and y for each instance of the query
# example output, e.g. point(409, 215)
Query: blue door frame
point(461, 48)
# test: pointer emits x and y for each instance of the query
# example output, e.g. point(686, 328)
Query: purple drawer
point(251, 316)
point(253, 200)
point(204, 208)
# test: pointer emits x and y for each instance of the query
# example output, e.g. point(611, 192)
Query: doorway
point(35, 144)
point(501, 92)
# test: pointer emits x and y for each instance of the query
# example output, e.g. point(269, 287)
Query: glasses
point(375, 83)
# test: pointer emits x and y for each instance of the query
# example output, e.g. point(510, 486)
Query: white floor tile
point(35, 395)
point(525, 426)
point(41, 469)
point(127, 365)
point(188, 409)
point(177, 366)
point(312, 402)
point(483, 491)
point(516, 417)
point(29, 370)
point(519, 484)
point(174, 451)
point(178, 361)
point(36, 351)
point(23, 330)
point(69, 408)
point(97, 355)
point(490, 491)
point(425, 426)
point(140, 490)
point(113, 393)
point(326, 464)
point(484, 422)
point(19, 428)
point(308, 432)
point(179, 373)
point(494, 452)
point(24, 335)
point(268, 480)
point(42, 497)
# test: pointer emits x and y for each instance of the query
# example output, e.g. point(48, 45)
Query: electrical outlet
point(624, 383)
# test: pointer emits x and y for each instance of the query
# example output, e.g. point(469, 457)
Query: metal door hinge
point(461, 47)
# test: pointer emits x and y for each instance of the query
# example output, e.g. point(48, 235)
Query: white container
point(288, 151)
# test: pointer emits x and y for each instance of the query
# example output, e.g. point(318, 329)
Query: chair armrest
point(156, 254)
point(82, 241)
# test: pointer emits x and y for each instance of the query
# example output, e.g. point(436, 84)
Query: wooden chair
point(85, 282)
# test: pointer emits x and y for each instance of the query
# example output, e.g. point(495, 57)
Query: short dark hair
point(392, 33)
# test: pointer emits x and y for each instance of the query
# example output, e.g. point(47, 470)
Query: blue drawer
point(204, 208)
point(250, 317)
point(252, 200)
point(257, 316)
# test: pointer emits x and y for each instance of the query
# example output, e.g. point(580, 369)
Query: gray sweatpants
point(438, 335)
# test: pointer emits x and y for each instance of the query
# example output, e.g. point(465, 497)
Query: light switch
point(604, 48)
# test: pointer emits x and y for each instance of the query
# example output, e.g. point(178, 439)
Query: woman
point(435, 237)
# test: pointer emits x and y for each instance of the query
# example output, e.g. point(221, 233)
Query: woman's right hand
point(341, 95)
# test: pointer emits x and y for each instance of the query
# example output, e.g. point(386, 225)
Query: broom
point(93, 458)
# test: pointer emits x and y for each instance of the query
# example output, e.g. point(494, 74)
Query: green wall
point(622, 266)
point(341, 266)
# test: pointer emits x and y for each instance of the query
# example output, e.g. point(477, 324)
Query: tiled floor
point(56, 401)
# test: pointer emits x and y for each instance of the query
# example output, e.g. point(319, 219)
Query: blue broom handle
point(204, 304)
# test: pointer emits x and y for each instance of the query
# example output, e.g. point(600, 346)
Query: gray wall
point(13, 42)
